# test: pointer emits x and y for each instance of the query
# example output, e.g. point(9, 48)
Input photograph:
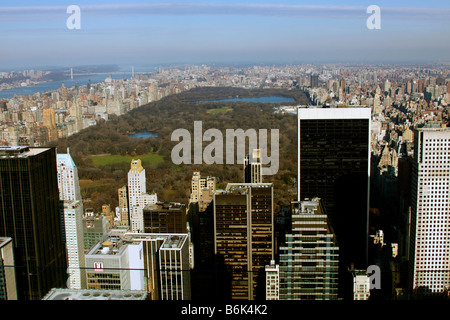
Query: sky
point(35, 33)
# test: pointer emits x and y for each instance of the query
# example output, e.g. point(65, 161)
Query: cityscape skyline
point(221, 32)
point(94, 199)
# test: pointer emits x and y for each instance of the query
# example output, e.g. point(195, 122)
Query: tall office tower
point(166, 264)
point(253, 167)
point(243, 236)
point(8, 288)
point(314, 80)
point(174, 281)
point(68, 182)
point(334, 165)
point(137, 195)
point(310, 256)
point(430, 212)
point(30, 215)
point(165, 217)
point(123, 206)
point(73, 224)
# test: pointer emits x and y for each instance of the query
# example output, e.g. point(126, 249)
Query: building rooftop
point(19, 151)
point(109, 245)
point(164, 206)
point(169, 240)
point(89, 294)
point(4, 241)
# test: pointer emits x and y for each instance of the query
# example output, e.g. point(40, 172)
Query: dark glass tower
point(243, 236)
point(334, 165)
point(29, 214)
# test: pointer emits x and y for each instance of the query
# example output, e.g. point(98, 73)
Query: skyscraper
point(73, 224)
point(137, 195)
point(123, 206)
point(309, 259)
point(252, 167)
point(68, 182)
point(30, 215)
point(314, 80)
point(202, 189)
point(334, 165)
point(243, 236)
point(430, 212)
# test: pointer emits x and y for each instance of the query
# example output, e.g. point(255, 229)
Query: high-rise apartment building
point(30, 215)
point(310, 256)
point(72, 212)
point(202, 189)
point(48, 117)
point(243, 236)
point(68, 182)
point(253, 167)
point(123, 206)
point(430, 212)
point(334, 165)
point(137, 195)
point(8, 288)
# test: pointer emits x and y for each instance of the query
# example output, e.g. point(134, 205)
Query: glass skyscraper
point(30, 215)
point(308, 268)
point(334, 165)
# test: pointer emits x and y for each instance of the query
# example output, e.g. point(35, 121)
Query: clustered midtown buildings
point(404, 92)
point(388, 141)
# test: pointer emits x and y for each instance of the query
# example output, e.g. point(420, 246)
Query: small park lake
point(144, 135)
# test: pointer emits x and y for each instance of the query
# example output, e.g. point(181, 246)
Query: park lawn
point(88, 183)
point(219, 110)
point(152, 159)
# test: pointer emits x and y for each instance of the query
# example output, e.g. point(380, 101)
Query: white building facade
point(138, 197)
point(73, 219)
point(430, 212)
point(68, 182)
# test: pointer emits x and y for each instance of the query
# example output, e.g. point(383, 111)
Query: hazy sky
point(34, 33)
